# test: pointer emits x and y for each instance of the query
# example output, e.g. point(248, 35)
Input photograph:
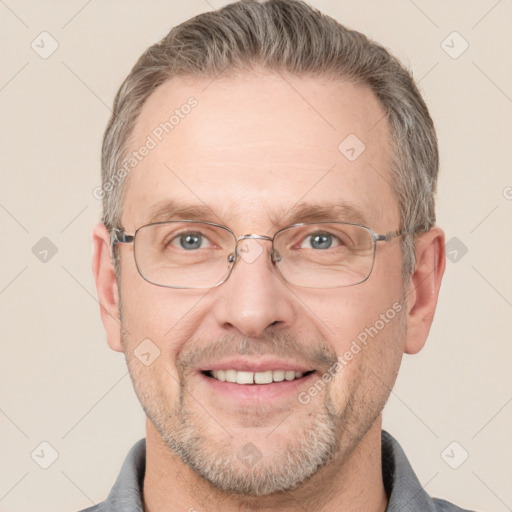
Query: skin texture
point(253, 148)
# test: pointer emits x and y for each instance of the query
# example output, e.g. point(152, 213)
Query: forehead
point(252, 148)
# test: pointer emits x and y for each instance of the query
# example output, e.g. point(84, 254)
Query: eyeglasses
point(189, 254)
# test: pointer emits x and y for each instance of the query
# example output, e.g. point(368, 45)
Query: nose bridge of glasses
point(254, 237)
point(251, 250)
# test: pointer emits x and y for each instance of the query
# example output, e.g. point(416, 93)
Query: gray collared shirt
point(404, 490)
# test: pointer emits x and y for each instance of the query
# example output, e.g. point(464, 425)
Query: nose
point(254, 298)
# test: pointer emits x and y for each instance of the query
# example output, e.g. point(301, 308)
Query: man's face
point(252, 150)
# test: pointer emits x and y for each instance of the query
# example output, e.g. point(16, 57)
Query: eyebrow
point(308, 212)
point(173, 209)
point(301, 212)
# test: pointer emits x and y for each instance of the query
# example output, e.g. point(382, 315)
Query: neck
point(350, 485)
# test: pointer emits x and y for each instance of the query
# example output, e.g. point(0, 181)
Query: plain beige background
point(60, 384)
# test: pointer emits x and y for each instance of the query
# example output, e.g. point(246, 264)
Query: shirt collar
point(402, 485)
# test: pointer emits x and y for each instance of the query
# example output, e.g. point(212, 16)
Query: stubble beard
point(332, 433)
point(277, 470)
point(327, 434)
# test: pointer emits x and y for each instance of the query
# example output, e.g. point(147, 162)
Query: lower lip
point(258, 392)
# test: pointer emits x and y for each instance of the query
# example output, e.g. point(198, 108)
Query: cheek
point(369, 362)
point(165, 316)
point(355, 313)
point(365, 328)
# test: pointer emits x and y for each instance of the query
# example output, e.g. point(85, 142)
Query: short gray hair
point(288, 36)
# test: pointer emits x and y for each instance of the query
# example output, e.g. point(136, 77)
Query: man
point(268, 252)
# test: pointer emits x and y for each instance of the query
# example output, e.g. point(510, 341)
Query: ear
point(424, 288)
point(106, 286)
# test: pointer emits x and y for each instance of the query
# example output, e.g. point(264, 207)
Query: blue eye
point(189, 241)
point(320, 241)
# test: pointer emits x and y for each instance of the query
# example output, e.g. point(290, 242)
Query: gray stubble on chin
point(218, 461)
point(191, 433)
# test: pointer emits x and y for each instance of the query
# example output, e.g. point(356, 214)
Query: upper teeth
point(255, 377)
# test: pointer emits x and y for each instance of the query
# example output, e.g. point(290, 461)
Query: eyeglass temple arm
point(118, 236)
point(392, 234)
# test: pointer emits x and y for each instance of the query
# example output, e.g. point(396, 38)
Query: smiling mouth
point(255, 378)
